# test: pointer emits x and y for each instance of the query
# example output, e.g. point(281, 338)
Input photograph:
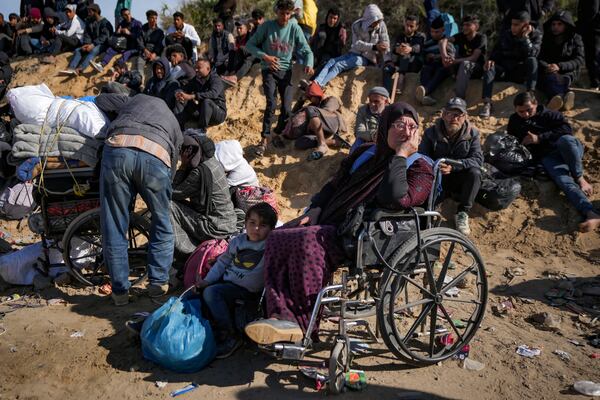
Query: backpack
point(16, 202)
point(199, 262)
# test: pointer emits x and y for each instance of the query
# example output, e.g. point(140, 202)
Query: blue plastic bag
point(177, 337)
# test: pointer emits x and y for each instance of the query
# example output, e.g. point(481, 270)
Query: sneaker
point(157, 290)
point(486, 110)
point(569, 101)
point(428, 101)
point(97, 66)
point(120, 299)
point(269, 331)
point(229, 80)
point(48, 60)
point(420, 93)
point(69, 71)
point(555, 103)
point(461, 220)
point(228, 347)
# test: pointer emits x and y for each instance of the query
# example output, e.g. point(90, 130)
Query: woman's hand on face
point(410, 145)
point(307, 219)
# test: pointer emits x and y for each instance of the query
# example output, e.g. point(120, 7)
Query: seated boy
point(237, 275)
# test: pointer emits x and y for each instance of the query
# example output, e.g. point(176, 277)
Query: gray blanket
point(29, 141)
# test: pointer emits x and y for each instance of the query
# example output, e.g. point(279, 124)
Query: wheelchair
point(428, 292)
point(69, 221)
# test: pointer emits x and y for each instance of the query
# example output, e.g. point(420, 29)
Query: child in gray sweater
point(237, 275)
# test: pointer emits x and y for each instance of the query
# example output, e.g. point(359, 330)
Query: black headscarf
point(202, 149)
point(360, 186)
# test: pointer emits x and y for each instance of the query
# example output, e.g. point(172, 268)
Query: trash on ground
point(57, 302)
point(563, 355)
point(13, 349)
point(355, 379)
point(105, 289)
point(504, 308)
point(188, 388)
point(78, 334)
point(588, 388)
point(547, 321)
point(526, 351)
point(472, 365)
point(576, 343)
point(319, 375)
point(463, 353)
point(161, 384)
point(593, 356)
point(357, 347)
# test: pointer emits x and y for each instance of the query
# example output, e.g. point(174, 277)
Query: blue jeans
point(564, 167)
point(337, 65)
point(126, 172)
point(77, 56)
point(220, 299)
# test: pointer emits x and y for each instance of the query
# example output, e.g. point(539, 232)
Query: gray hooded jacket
point(364, 39)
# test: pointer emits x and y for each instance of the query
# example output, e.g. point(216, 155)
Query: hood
point(4, 60)
point(563, 16)
point(165, 64)
point(371, 14)
point(49, 12)
point(390, 114)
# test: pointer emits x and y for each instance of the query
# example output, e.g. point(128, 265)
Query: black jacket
point(210, 87)
point(466, 148)
point(6, 72)
point(143, 115)
point(510, 50)
point(326, 42)
point(97, 32)
point(567, 52)
point(548, 125)
point(535, 8)
point(416, 41)
point(151, 39)
point(6, 29)
point(588, 16)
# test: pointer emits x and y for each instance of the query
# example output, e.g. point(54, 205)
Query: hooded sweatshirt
point(155, 87)
point(364, 38)
point(565, 50)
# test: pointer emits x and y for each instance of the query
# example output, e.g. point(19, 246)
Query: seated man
point(561, 58)
point(160, 85)
point(95, 39)
point(240, 60)
point(202, 99)
point(201, 206)
point(406, 54)
point(368, 115)
point(123, 81)
point(6, 74)
point(124, 41)
point(68, 35)
point(183, 34)
point(315, 125)
point(220, 44)
point(150, 42)
point(470, 47)
point(370, 43)
point(514, 59)
point(588, 25)
point(329, 40)
point(549, 137)
point(6, 34)
point(238, 275)
point(27, 30)
point(454, 137)
point(48, 34)
point(435, 69)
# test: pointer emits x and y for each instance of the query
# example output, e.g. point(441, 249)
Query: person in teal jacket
point(274, 43)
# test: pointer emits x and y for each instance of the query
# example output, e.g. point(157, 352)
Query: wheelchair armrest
point(379, 213)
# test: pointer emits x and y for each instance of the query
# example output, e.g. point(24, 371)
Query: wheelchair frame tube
point(321, 299)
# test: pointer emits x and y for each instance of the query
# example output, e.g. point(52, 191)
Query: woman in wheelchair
point(301, 256)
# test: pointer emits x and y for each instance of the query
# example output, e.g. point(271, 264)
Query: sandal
point(260, 150)
point(315, 155)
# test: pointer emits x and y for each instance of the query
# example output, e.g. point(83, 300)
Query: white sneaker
point(555, 103)
point(68, 72)
point(97, 66)
point(420, 93)
point(569, 101)
point(461, 221)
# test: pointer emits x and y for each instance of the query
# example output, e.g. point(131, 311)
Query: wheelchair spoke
point(411, 305)
point(455, 300)
point(421, 288)
point(445, 266)
point(430, 276)
point(417, 322)
point(457, 279)
point(432, 326)
point(91, 240)
point(449, 319)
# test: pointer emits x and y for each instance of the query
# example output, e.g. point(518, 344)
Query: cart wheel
point(339, 363)
point(82, 248)
point(433, 303)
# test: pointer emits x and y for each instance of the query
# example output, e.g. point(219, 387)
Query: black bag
point(118, 43)
point(497, 190)
point(505, 152)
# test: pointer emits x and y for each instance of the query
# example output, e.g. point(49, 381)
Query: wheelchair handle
point(451, 162)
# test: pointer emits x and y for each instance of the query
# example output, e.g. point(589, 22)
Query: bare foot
point(585, 186)
point(591, 223)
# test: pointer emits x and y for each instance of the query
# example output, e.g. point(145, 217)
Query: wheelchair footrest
point(284, 351)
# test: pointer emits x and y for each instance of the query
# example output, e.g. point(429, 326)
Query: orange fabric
point(314, 90)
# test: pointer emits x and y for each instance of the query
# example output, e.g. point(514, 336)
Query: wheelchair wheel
point(82, 248)
point(433, 303)
point(339, 363)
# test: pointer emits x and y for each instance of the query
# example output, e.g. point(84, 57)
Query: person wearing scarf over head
point(301, 257)
point(201, 206)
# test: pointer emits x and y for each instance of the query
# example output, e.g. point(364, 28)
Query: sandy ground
point(537, 233)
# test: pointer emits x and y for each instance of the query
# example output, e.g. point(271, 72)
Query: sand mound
point(540, 222)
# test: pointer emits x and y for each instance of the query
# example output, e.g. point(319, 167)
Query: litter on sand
point(78, 334)
point(188, 388)
point(526, 351)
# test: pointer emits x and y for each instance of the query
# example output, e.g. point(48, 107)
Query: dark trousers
point(276, 82)
point(554, 84)
point(206, 113)
point(432, 75)
point(462, 186)
point(465, 71)
point(591, 44)
point(5, 43)
point(525, 72)
point(63, 43)
point(404, 65)
point(220, 299)
point(23, 45)
point(240, 63)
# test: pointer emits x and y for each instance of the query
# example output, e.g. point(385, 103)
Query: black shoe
point(228, 347)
